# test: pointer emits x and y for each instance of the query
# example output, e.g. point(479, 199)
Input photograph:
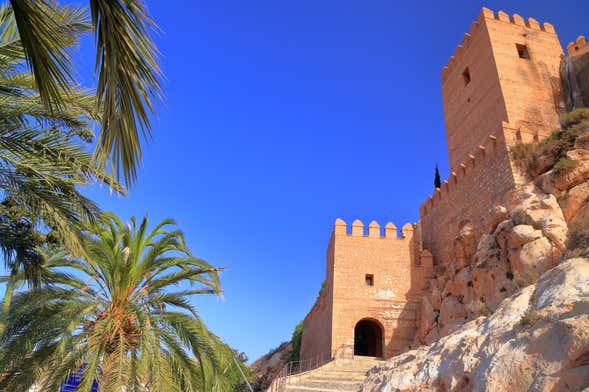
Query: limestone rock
point(532, 260)
point(537, 340)
point(497, 215)
point(465, 245)
point(572, 202)
point(555, 183)
point(522, 234)
point(452, 314)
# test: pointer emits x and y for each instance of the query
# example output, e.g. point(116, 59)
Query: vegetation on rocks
point(550, 153)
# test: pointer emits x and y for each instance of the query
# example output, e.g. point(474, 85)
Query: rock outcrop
point(521, 241)
point(536, 340)
point(267, 367)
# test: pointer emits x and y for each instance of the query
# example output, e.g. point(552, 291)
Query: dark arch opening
point(368, 339)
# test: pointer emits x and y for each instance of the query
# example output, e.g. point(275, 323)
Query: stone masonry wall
point(316, 339)
point(480, 183)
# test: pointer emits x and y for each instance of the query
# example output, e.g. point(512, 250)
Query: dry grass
point(577, 243)
point(553, 148)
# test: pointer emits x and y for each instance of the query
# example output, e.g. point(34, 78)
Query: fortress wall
point(316, 338)
point(467, 196)
point(393, 300)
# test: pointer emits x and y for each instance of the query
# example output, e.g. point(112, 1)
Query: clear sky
point(281, 116)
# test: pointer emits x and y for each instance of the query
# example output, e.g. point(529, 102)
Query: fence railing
point(295, 368)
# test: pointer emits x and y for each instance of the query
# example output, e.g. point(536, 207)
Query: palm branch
point(126, 64)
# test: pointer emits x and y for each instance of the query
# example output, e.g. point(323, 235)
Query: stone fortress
point(507, 83)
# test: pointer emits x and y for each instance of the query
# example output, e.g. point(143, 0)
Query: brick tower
point(505, 69)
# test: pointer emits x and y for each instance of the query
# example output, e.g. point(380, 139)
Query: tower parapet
point(579, 47)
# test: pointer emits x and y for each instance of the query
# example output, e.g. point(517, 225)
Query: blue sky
point(281, 116)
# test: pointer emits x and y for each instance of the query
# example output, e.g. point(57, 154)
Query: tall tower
point(506, 69)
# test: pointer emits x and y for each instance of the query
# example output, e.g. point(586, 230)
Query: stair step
point(300, 388)
point(332, 384)
point(326, 377)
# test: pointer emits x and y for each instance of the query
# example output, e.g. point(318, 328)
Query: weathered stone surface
point(555, 183)
point(452, 314)
point(537, 340)
point(497, 215)
point(522, 234)
point(532, 260)
point(465, 245)
point(572, 202)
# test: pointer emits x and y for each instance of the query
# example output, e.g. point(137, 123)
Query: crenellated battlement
point(475, 28)
point(374, 230)
point(507, 135)
point(579, 47)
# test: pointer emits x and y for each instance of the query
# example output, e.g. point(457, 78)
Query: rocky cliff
point(267, 367)
point(537, 340)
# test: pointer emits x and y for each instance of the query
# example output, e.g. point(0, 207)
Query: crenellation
point(549, 28)
point(390, 230)
point(374, 230)
point(518, 20)
point(357, 228)
point(533, 24)
point(503, 16)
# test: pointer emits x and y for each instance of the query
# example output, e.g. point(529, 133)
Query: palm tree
point(126, 64)
point(123, 314)
point(43, 157)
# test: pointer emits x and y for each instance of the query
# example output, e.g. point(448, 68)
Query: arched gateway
point(368, 338)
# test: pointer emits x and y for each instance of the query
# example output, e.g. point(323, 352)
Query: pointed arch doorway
point(368, 338)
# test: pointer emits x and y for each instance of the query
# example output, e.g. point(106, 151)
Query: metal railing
point(299, 368)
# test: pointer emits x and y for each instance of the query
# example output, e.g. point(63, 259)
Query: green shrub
point(523, 154)
point(529, 318)
point(578, 236)
point(564, 166)
point(555, 147)
point(575, 117)
point(297, 335)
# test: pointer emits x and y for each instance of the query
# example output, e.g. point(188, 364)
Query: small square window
point(522, 51)
point(466, 76)
point(369, 279)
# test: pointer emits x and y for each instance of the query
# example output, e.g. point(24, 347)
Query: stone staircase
point(336, 376)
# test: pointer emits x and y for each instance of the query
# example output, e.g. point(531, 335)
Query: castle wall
point(316, 339)
point(480, 183)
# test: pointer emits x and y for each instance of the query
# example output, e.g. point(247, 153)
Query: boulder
point(554, 183)
point(465, 245)
point(532, 260)
point(522, 234)
point(537, 340)
point(572, 202)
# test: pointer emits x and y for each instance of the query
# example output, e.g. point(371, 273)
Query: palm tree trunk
point(7, 300)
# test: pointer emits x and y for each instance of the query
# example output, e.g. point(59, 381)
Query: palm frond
point(128, 82)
